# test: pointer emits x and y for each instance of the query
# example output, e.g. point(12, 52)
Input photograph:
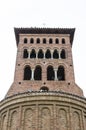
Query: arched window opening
point(63, 55)
point(50, 41)
point(31, 40)
point(38, 73)
point(61, 73)
point(27, 73)
point(25, 40)
point(55, 54)
point(25, 53)
point(50, 73)
point(44, 40)
point(33, 54)
point(48, 54)
point(57, 41)
point(44, 89)
point(63, 41)
point(40, 54)
point(38, 40)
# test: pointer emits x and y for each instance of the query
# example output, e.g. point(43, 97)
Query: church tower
point(44, 61)
point(44, 95)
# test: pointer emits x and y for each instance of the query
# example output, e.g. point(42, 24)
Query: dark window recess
point(50, 73)
point(25, 40)
point(40, 54)
point(48, 54)
point(38, 73)
point(44, 89)
point(50, 41)
point(61, 73)
point(25, 53)
point(44, 41)
point(27, 73)
point(63, 55)
point(55, 54)
point(57, 41)
point(33, 54)
point(31, 40)
point(63, 41)
point(38, 40)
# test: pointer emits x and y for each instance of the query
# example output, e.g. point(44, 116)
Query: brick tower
point(44, 95)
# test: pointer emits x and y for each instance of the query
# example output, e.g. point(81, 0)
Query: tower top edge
point(35, 30)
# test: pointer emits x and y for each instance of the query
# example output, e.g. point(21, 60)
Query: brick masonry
point(19, 85)
point(40, 111)
point(25, 107)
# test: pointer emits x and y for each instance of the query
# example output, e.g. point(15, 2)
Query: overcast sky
point(41, 13)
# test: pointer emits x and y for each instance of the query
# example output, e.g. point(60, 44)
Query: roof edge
point(35, 30)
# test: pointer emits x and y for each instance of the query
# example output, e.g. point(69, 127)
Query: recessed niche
point(44, 89)
point(68, 83)
point(44, 83)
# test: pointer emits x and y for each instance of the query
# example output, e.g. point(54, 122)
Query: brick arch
point(49, 64)
point(48, 48)
point(38, 72)
point(27, 73)
point(62, 119)
point(14, 120)
point(37, 64)
point(32, 39)
point(66, 51)
point(56, 48)
point(4, 120)
point(63, 64)
point(61, 73)
point(50, 73)
point(27, 64)
point(63, 40)
point(25, 40)
point(24, 47)
point(32, 47)
point(28, 119)
point(45, 118)
point(55, 54)
point(76, 120)
point(41, 48)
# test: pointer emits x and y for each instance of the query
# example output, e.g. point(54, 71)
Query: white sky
point(41, 13)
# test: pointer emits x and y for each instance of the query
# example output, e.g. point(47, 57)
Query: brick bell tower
point(44, 95)
point(44, 61)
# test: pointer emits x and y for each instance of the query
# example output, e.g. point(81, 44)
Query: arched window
point(63, 55)
point(25, 53)
point(38, 73)
point(63, 41)
point(31, 40)
point(40, 54)
point(33, 54)
point(50, 41)
point(38, 40)
point(27, 73)
point(25, 40)
point(55, 54)
point(61, 73)
point(57, 41)
point(44, 40)
point(44, 89)
point(50, 73)
point(48, 54)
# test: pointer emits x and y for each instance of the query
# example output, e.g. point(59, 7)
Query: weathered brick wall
point(19, 85)
point(40, 111)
